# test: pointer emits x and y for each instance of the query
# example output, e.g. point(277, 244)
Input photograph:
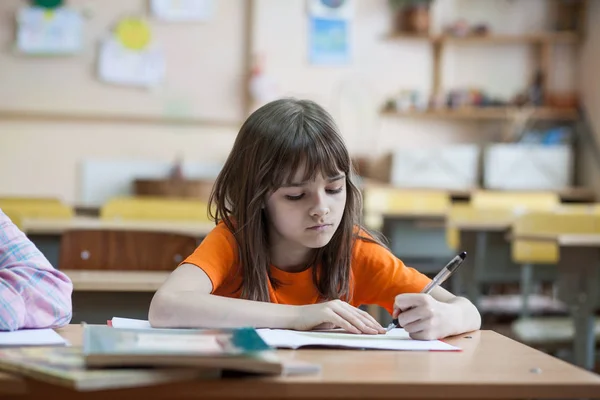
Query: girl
point(288, 250)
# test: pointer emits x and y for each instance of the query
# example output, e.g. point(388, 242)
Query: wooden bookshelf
point(543, 42)
point(489, 113)
point(531, 38)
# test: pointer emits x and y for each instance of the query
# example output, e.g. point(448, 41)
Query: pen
point(438, 280)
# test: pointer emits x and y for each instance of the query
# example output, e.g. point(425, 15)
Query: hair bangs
point(316, 148)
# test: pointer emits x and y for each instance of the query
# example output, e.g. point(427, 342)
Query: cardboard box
point(452, 167)
point(528, 166)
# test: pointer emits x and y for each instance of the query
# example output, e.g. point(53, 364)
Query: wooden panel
point(123, 250)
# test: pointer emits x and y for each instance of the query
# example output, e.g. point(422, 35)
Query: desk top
point(572, 194)
point(489, 366)
point(116, 281)
point(589, 240)
point(51, 226)
point(564, 240)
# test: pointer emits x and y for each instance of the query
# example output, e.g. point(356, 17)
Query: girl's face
point(303, 216)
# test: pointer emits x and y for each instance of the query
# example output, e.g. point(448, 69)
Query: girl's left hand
point(422, 316)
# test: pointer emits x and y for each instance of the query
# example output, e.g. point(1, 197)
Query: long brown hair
point(271, 145)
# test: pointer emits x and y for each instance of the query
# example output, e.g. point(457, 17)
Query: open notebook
point(396, 339)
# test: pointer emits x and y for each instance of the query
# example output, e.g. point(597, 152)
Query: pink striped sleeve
point(33, 294)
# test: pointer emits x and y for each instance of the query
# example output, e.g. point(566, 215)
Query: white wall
point(353, 93)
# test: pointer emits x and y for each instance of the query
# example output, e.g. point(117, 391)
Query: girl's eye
point(293, 198)
point(334, 191)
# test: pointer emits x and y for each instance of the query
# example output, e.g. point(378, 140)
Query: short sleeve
point(216, 255)
point(379, 276)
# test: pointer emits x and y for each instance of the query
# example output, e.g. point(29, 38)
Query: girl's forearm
point(192, 309)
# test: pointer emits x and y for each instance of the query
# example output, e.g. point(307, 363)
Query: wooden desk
point(48, 226)
point(490, 366)
point(12, 385)
point(578, 277)
point(116, 281)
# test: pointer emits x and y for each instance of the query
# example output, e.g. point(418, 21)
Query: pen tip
point(463, 255)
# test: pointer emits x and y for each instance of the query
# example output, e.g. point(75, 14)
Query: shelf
point(489, 113)
point(544, 37)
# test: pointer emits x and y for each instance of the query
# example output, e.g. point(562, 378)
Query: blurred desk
point(567, 195)
point(40, 226)
point(578, 279)
point(46, 233)
point(116, 281)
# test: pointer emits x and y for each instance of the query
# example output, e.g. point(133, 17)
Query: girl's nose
point(320, 208)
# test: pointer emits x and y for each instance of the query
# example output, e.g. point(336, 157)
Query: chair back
point(155, 208)
point(380, 201)
point(551, 223)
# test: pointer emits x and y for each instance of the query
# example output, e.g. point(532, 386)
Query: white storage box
point(528, 166)
point(449, 167)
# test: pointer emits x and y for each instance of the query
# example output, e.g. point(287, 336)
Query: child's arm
point(184, 301)
point(435, 316)
point(33, 294)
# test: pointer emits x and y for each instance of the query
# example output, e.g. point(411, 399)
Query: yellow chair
point(19, 200)
point(381, 200)
point(567, 219)
point(563, 220)
point(515, 200)
point(155, 208)
point(489, 207)
point(20, 209)
point(466, 214)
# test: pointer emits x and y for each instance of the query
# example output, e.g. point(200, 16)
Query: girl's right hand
point(336, 313)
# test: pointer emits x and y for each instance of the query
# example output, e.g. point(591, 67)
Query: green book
point(235, 349)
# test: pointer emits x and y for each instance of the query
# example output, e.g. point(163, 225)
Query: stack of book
point(118, 358)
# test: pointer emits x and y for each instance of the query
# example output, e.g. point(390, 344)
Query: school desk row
point(571, 258)
point(488, 366)
point(480, 231)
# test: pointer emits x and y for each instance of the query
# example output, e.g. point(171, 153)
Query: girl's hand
point(422, 316)
point(336, 313)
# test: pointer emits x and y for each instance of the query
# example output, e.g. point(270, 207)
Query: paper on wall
point(49, 31)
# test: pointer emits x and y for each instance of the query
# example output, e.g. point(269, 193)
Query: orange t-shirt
point(378, 276)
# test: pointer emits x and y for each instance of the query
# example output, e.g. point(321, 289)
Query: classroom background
point(473, 124)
